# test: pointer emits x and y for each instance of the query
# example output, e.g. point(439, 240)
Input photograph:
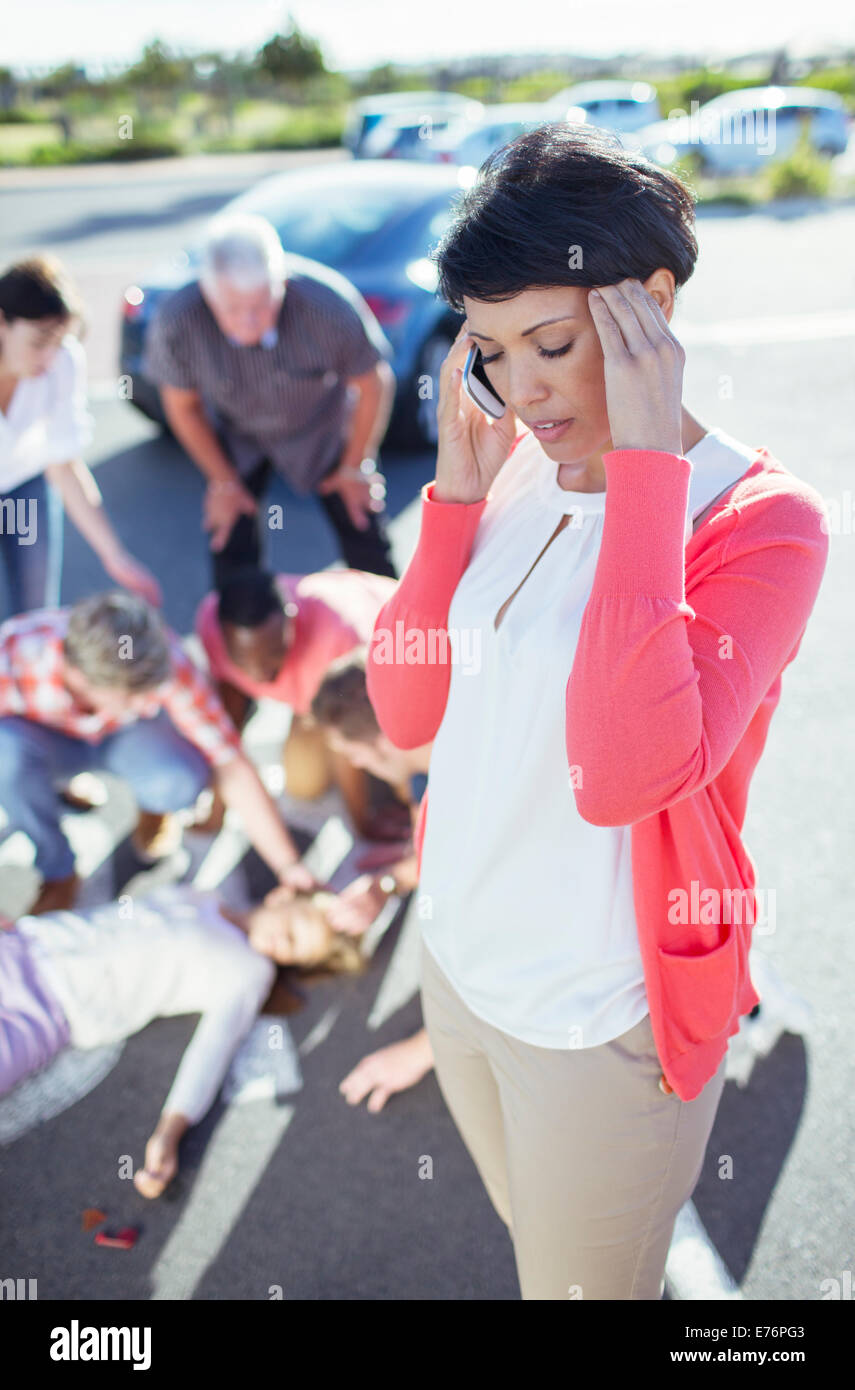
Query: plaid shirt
point(31, 686)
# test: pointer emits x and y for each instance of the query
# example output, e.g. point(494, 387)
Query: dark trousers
point(361, 550)
point(31, 556)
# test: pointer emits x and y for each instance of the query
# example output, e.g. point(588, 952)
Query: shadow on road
point(755, 1128)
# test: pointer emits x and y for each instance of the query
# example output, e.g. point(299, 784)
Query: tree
point(291, 57)
point(157, 70)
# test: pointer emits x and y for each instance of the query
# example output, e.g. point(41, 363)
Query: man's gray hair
point(243, 249)
point(118, 640)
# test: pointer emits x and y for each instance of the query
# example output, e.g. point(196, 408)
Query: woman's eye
point(544, 352)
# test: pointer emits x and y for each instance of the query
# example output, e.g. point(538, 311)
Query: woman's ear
point(663, 287)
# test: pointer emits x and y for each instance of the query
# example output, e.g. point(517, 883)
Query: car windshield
point(412, 236)
point(328, 224)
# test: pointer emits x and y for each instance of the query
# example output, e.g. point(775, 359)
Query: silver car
point(740, 132)
point(469, 142)
point(375, 123)
point(612, 105)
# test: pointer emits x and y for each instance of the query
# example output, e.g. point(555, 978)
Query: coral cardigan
point(676, 675)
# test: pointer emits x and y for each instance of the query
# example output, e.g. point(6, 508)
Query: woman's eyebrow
point(562, 318)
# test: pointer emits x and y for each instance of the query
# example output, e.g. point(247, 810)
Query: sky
point(362, 33)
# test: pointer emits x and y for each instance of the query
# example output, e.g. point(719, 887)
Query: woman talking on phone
point(635, 582)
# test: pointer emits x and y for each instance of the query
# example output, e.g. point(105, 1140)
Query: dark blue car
point(374, 221)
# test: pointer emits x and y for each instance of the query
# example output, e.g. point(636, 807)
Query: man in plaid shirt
point(106, 685)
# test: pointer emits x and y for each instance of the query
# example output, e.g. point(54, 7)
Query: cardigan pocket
point(699, 989)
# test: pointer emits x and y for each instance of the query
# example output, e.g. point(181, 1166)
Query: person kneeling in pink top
point(273, 637)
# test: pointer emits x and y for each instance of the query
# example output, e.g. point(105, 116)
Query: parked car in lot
point(396, 110)
point(469, 141)
point(373, 222)
point(409, 136)
point(612, 105)
point(740, 132)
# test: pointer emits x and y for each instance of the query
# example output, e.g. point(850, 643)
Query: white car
point(373, 122)
point(613, 105)
point(470, 142)
point(740, 132)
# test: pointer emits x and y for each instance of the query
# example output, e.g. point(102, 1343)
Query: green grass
point(18, 142)
point(193, 127)
point(197, 122)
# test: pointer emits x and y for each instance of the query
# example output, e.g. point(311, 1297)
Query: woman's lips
point(552, 431)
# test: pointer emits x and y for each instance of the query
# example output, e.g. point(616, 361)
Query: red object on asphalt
point(123, 1240)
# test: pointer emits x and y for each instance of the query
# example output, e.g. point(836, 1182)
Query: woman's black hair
point(565, 205)
point(37, 288)
point(249, 597)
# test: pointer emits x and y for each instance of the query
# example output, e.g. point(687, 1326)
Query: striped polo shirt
point(285, 399)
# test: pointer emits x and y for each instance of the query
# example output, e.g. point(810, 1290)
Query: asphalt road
point(325, 1201)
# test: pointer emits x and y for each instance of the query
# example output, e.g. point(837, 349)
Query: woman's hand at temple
point(472, 448)
point(643, 365)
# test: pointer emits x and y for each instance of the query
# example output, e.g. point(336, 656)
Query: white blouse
point(526, 907)
point(47, 420)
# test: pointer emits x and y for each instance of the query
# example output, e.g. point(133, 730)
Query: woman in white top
point(540, 990)
point(44, 428)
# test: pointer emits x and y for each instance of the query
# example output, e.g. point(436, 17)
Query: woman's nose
point(525, 388)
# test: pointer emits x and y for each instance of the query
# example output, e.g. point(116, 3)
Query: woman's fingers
point(450, 377)
point(637, 314)
point(622, 308)
point(606, 325)
point(355, 1086)
point(378, 1099)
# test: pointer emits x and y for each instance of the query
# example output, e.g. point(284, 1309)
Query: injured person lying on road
point(87, 978)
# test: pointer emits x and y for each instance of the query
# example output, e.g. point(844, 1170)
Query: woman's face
point(378, 755)
point(542, 352)
point(260, 651)
point(28, 346)
point(291, 933)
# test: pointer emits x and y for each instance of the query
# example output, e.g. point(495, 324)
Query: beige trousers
point(583, 1157)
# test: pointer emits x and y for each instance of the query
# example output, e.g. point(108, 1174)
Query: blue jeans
point(164, 770)
point(31, 535)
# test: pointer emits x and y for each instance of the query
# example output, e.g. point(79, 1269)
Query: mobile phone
point(478, 387)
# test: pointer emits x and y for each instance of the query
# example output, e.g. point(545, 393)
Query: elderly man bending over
point(276, 362)
point(106, 685)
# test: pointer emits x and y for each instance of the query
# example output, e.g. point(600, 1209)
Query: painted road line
point(402, 977)
point(236, 1156)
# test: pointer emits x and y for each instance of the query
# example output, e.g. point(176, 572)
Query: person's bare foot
point(161, 1166)
point(56, 895)
point(156, 836)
